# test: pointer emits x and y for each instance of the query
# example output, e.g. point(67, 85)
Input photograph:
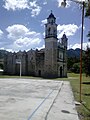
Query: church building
point(50, 62)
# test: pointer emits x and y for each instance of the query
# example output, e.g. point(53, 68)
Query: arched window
point(52, 22)
point(49, 30)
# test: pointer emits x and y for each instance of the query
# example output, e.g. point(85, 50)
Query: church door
point(60, 71)
point(39, 73)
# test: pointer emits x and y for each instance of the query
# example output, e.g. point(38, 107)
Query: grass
point(23, 77)
point(84, 108)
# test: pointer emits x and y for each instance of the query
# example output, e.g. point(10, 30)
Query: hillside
point(73, 53)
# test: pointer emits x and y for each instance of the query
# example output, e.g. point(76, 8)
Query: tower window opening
point(52, 22)
point(49, 31)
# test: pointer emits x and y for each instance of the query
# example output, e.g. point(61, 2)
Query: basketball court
point(36, 99)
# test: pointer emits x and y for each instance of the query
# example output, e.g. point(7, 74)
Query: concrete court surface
point(27, 99)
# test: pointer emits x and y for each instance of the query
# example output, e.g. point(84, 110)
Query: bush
point(76, 68)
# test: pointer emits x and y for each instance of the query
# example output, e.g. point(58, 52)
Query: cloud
point(16, 31)
point(22, 38)
point(42, 47)
point(35, 8)
point(45, 2)
point(77, 45)
point(68, 2)
point(16, 4)
point(81, 27)
point(43, 22)
point(1, 33)
point(26, 42)
point(23, 4)
point(69, 29)
point(60, 1)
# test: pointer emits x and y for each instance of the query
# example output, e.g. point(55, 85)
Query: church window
point(49, 31)
point(52, 22)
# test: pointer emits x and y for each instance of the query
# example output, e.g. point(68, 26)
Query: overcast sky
point(22, 23)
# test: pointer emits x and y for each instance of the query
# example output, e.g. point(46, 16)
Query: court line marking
point(29, 118)
point(39, 105)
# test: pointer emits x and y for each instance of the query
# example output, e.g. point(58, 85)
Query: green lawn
point(84, 108)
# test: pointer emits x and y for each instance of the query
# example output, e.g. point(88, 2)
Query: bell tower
point(50, 67)
point(64, 42)
point(51, 27)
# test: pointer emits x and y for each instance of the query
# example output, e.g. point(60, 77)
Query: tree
point(70, 63)
point(87, 6)
point(87, 54)
point(88, 36)
point(87, 62)
point(87, 14)
point(76, 67)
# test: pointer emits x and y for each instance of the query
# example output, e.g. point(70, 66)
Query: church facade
point(50, 62)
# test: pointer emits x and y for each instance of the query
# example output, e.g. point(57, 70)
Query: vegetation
point(86, 61)
point(76, 67)
point(87, 14)
point(84, 108)
point(73, 63)
point(87, 6)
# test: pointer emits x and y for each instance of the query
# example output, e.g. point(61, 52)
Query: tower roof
point(51, 15)
point(64, 36)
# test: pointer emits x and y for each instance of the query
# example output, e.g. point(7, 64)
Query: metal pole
point(81, 52)
point(20, 69)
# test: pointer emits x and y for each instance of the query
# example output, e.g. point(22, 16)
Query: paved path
point(27, 99)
